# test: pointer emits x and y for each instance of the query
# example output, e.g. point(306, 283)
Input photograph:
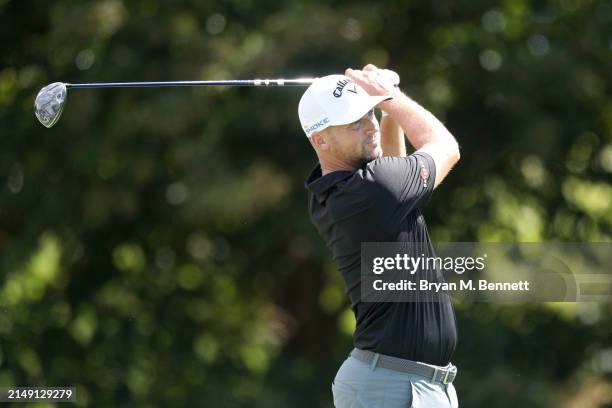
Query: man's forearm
point(421, 127)
point(392, 138)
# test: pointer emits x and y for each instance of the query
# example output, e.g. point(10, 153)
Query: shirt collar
point(320, 185)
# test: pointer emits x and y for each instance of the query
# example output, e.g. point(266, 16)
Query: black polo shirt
point(380, 202)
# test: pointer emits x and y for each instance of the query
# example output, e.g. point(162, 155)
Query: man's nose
point(371, 124)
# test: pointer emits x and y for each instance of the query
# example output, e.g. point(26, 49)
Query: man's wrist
point(396, 102)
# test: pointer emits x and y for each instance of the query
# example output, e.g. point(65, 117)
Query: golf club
point(50, 100)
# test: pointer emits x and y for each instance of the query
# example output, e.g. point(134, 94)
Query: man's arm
point(425, 132)
point(392, 137)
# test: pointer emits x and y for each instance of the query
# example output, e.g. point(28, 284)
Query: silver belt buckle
point(451, 369)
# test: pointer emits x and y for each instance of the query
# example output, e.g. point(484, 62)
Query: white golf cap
point(334, 100)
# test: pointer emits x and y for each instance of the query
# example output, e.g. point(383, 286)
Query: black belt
point(444, 375)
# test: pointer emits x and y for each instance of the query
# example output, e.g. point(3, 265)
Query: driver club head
point(49, 103)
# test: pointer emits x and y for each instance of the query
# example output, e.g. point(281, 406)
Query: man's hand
point(373, 80)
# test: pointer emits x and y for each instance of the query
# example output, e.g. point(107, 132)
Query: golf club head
point(49, 103)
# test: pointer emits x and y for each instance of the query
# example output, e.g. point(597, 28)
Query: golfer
point(365, 188)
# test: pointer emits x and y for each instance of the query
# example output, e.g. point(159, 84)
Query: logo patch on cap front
point(340, 87)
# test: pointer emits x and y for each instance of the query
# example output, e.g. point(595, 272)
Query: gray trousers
point(361, 385)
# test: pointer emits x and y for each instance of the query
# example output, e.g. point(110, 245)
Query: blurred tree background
point(155, 244)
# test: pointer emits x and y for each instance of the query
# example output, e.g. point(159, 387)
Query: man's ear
point(319, 141)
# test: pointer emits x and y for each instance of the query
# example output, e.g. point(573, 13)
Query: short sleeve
point(406, 181)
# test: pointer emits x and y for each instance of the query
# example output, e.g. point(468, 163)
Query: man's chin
point(373, 155)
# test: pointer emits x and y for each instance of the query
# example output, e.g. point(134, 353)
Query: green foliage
point(155, 245)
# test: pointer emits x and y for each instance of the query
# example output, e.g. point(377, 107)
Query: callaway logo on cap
point(334, 100)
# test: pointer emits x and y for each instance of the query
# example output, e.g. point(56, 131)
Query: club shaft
point(236, 82)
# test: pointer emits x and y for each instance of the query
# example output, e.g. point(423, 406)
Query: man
point(366, 189)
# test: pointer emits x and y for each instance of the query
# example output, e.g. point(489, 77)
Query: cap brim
point(358, 113)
